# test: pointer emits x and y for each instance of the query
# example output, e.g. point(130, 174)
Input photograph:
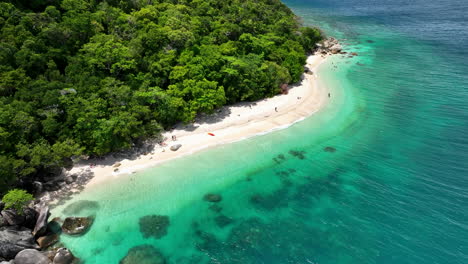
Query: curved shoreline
point(230, 124)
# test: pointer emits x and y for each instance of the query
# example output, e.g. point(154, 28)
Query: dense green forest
point(92, 76)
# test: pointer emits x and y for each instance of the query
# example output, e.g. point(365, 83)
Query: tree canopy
point(93, 76)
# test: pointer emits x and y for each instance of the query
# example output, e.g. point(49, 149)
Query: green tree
point(17, 199)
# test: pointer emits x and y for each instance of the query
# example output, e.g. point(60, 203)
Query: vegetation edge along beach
point(87, 78)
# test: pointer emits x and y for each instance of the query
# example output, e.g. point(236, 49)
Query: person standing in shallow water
point(328, 95)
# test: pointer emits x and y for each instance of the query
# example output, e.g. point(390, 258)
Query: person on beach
point(174, 138)
point(276, 109)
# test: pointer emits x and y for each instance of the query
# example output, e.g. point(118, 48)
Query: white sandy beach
point(230, 124)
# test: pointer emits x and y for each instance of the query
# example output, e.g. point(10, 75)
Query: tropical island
point(80, 79)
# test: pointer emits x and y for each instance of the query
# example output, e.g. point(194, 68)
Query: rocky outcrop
point(41, 224)
point(154, 225)
point(63, 256)
point(12, 218)
point(176, 147)
point(13, 239)
point(329, 45)
point(31, 256)
point(213, 198)
point(76, 225)
point(30, 217)
point(144, 254)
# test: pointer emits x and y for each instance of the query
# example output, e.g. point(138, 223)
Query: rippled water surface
point(379, 176)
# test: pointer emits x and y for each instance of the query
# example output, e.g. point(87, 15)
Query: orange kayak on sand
point(211, 134)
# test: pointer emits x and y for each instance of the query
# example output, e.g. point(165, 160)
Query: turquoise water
point(394, 191)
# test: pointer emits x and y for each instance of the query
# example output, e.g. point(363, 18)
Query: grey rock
point(3, 221)
point(176, 147)
point(12, 218)
point(31, 256)
point(41, 224)
point(69, 180)
point(63, 256)
point(14, 239)
point(38, 187)
point(30, 217)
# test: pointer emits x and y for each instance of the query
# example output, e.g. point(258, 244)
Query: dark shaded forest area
point(90, 76)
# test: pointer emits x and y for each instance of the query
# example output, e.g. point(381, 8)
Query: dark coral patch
point(213, 198)
point(223, 221)
point(154, 226)
point(298, 154)
point(329, 149)
point(215, 208)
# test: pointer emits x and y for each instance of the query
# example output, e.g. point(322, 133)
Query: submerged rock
point(215, 208)
point(213, 198)
point(223, 221)
point(76, 225)
point(31, 256)
point(298, 154)
point(82, 207)
point(55, 226)
point(154, 226)
point(271, 201)
point(144, 254)
point(329, 149)
point(47, 241)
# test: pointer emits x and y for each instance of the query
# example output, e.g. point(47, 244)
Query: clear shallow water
point(394, 191)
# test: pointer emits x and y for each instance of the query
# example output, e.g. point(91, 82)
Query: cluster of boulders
point(28, 237)
point(329, 46)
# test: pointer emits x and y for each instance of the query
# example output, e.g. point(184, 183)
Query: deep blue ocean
point(379, 176)
point(414, 203)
